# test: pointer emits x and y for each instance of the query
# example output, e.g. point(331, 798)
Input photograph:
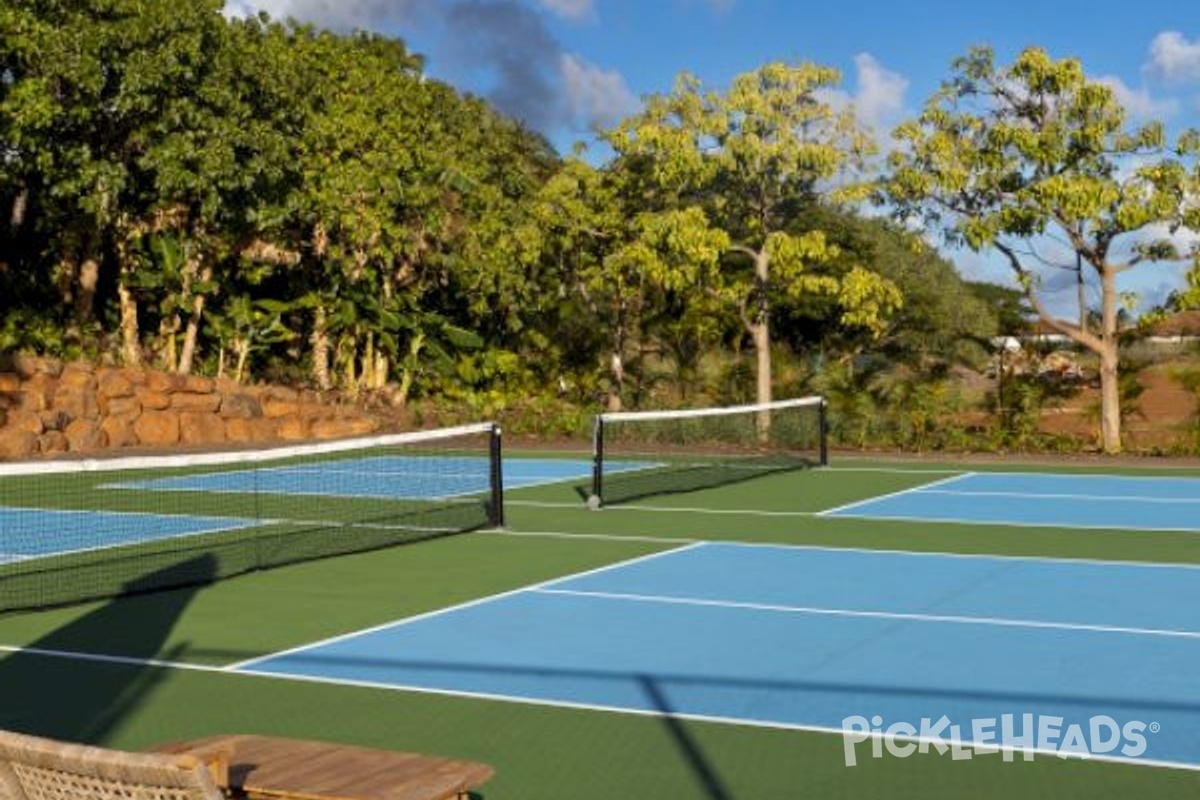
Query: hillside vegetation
point(266, 202)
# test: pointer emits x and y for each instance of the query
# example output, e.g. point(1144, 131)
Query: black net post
point(823, 431)
point(598, 460)
point(497, 478)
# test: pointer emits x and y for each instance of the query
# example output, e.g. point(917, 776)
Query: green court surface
point(137, 670)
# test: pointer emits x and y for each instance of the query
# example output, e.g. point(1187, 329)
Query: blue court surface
point(1072, 501)
point(806, 638)
point(30, 532)
point(388, 477)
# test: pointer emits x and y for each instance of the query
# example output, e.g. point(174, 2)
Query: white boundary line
point(909, 490)
point(1098, 498)
point(863, 550)
point(607, 537)
point(457, 607)
point(576, 706)
point(104, 658)
point(1099, 476)
point(1097, 469)
point(894, 470)
point(706, 718)
point(1073, 526)
point(954, 619)
point(739, 512)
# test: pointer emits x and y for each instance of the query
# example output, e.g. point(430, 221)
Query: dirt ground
point(1165, 417)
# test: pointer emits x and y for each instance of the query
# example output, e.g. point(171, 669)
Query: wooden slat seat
point(277, 768)
point(234, 766)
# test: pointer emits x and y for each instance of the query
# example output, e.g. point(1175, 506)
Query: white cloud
point(1175, 58)
point(597, 97)
point(880, 96)
point(1138, 102)
point(335, 14)
point(570, 9)
point(1184, 239)
point(878, 99)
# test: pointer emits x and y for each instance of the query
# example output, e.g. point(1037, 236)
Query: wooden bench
point(275, 768)
point(222, 767)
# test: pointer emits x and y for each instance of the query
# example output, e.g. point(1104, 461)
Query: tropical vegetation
point(263, 200)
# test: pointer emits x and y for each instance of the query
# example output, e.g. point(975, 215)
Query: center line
point(892, 615)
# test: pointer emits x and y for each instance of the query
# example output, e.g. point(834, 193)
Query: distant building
point(1183, 326)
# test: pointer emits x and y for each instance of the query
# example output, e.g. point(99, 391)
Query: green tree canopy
point(1034, 155)
point(747, 159)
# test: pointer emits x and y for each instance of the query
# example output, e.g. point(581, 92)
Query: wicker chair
point(32, 768)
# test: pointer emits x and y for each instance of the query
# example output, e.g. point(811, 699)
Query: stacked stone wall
point(48, 408)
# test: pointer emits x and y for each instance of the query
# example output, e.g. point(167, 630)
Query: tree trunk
point(85, 300)
point(319, 341)
point(242, 348)
point(616, 361)
point(16, 217)
point(131, 351)
point(1110, 379)
point(617, 367)
point(1110, 399)
point(367, 371)
point(187, 355)
point(761, 336)
point(348, 350)
point(66, 274)
point(760, 333)
point(167, 330)
point(381, 369)
point(131, 347)
point(406, 381)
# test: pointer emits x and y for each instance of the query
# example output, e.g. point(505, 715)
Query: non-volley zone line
point(1091, 501)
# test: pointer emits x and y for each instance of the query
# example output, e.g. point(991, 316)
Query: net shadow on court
point(91, 708)
point(684, 477)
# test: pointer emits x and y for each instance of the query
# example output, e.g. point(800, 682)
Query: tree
point(944, 319)
point(618, 259)
point(120, 127)
point(747, 160)
point(1015, 159)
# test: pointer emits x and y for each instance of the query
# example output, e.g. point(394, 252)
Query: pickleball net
point(642, 454)
point(90, 529)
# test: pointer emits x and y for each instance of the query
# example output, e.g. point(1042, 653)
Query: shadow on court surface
point(684, 478)
point(82, 701)
point(689, 749)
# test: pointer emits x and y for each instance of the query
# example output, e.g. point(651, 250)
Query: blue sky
point(565, 66)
